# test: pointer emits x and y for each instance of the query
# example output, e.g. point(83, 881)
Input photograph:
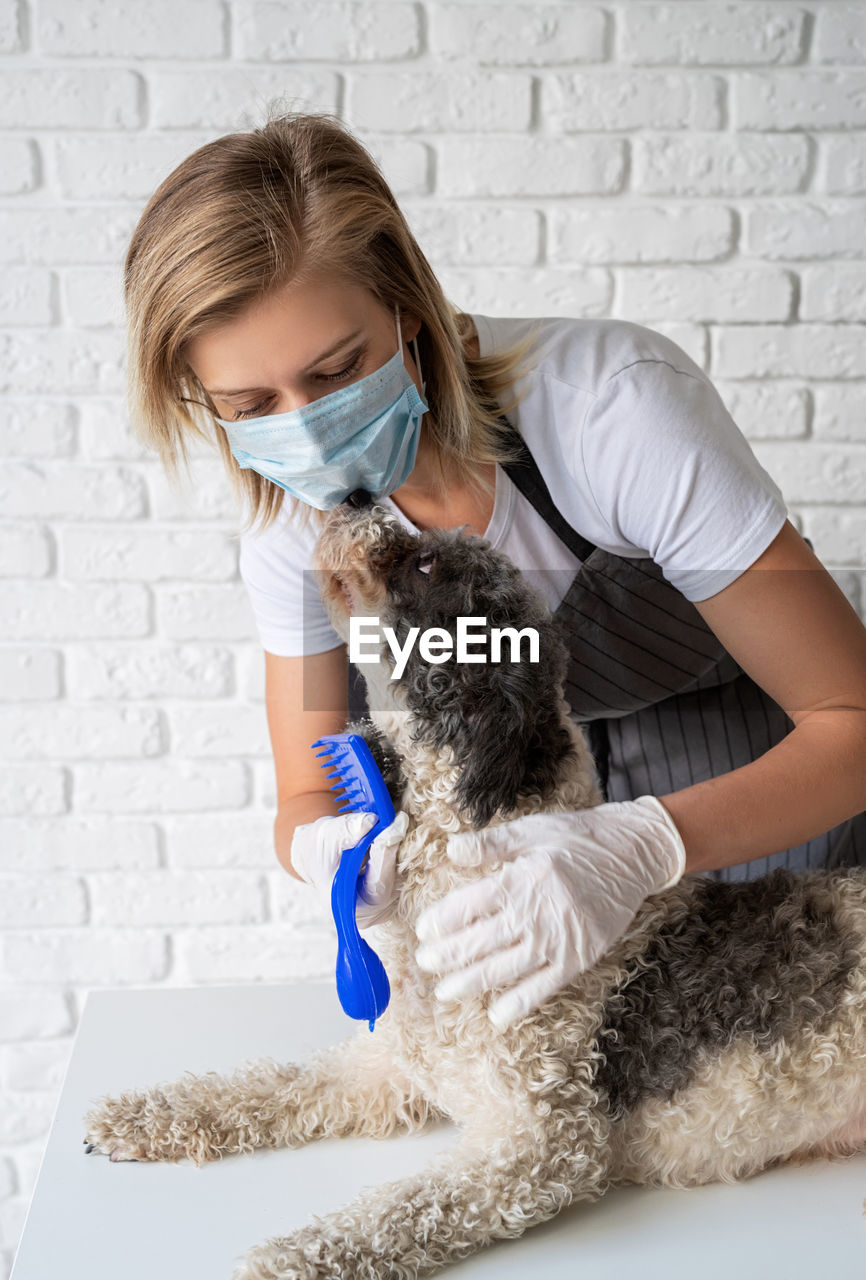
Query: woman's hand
point(318, 846)
point(570, 886)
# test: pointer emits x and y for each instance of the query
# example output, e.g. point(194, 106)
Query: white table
point(178, 1222)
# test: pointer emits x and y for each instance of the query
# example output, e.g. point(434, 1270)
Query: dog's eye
point(425, 561)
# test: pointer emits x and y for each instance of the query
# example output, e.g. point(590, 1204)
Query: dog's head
point(501, 717)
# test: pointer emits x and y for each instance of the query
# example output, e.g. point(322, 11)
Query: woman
point(272, 289)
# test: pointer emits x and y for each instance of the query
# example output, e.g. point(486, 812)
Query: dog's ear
point(502, 721)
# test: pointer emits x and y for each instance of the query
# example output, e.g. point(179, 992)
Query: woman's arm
point(304, 698)
point(789, 626)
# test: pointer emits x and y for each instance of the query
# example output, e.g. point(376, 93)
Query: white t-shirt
point(639, 454)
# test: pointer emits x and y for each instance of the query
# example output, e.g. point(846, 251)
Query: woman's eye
point(340, 376)
point(344, 373)
point(250, 413)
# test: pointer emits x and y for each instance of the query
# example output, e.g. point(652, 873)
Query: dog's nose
point(359, 498)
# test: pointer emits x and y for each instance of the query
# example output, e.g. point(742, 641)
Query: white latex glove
point(570, 886)
point(318, 846)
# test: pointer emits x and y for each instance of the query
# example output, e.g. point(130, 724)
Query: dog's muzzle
point(360, 542)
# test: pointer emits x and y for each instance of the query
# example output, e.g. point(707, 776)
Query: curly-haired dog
point(723, 1034)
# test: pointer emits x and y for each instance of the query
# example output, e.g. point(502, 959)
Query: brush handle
point(362, 984)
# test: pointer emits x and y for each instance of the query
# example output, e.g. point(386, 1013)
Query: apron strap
point(526, 477)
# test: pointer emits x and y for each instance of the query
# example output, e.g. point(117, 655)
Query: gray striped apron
point(662, 702)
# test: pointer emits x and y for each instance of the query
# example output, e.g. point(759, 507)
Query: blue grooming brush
point(362, 984)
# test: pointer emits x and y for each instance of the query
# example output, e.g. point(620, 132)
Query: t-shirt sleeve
point(275, 567)
point(671, 473)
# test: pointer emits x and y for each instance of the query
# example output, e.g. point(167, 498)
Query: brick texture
point(693, 166)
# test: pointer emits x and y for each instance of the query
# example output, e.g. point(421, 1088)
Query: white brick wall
point(697, 167)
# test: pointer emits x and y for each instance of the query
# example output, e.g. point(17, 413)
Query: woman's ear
point(410, 325)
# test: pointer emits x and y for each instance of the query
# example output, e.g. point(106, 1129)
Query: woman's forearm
point(809, 782)
point(298, 809)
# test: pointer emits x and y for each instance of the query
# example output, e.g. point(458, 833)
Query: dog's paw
point(131, 1127)
point(277, 1259)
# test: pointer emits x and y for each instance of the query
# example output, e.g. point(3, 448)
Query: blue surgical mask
point(362, 436)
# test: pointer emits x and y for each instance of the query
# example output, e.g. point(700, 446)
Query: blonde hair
point(250, 212)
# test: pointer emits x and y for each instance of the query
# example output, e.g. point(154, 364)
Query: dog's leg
point(465, 1199)
point(747, 1111)
point(353, 1087)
